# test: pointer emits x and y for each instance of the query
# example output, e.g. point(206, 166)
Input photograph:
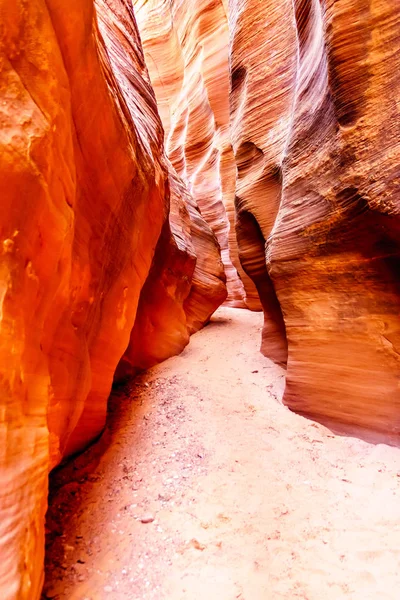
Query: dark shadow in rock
point(217, 321)
point(351, 431)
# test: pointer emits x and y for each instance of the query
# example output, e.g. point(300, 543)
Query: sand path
point(205, 487)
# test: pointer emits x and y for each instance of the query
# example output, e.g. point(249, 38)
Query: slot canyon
point(200, 285)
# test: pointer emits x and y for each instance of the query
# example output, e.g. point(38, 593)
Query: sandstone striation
point(186, 50)
point(187, 275)
point(85, 225)
point(264, 161)
point(315, 131)
point(184, 287)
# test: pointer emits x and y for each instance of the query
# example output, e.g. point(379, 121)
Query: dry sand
point(240, 498)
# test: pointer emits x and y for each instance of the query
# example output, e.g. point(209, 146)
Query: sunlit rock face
point(85, 224)
point(263, 72)
point(187, 275)
point(186, 51)
point(184, 287)
point(315, 131)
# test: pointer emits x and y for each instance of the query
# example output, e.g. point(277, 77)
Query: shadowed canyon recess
point(160, 158)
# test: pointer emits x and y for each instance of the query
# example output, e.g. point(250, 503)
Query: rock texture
point(186, 51)
point(185, 285)
point(187, 275)
point(85, 232)
point(109, 252)
point(315, 131)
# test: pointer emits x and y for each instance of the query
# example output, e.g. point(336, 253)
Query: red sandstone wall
point(315, 130)
point(85, 204)
point(186, 51)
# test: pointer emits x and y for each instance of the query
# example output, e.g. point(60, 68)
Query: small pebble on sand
point(147, 519)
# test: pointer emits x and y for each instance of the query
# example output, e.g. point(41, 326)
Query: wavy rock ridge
point(186, 51)
point(315, 130)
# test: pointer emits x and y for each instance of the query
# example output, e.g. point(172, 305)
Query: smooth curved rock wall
point(315, 131)
point(186, 51)
point(85, 208)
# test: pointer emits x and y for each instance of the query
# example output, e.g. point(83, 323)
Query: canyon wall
point(86, 236)
point(186, 51)
point(297, 177)
point(280, 125)
point(186, 282)
point(316, 134)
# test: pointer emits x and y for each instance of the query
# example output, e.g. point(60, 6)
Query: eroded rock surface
point(279, 143)
point(85, 204)
point(186, 51)
point(187, 274)
point(315, 130)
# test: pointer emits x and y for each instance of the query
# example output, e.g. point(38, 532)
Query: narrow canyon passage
point(205, 487)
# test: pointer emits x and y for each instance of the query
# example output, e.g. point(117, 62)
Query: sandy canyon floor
point(205, 487)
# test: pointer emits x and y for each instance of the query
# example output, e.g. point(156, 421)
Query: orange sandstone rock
point(187, 274)
point(85, 197)
point(186, 51)
point(315, 130)
point(263, 75)
point(82, 209)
